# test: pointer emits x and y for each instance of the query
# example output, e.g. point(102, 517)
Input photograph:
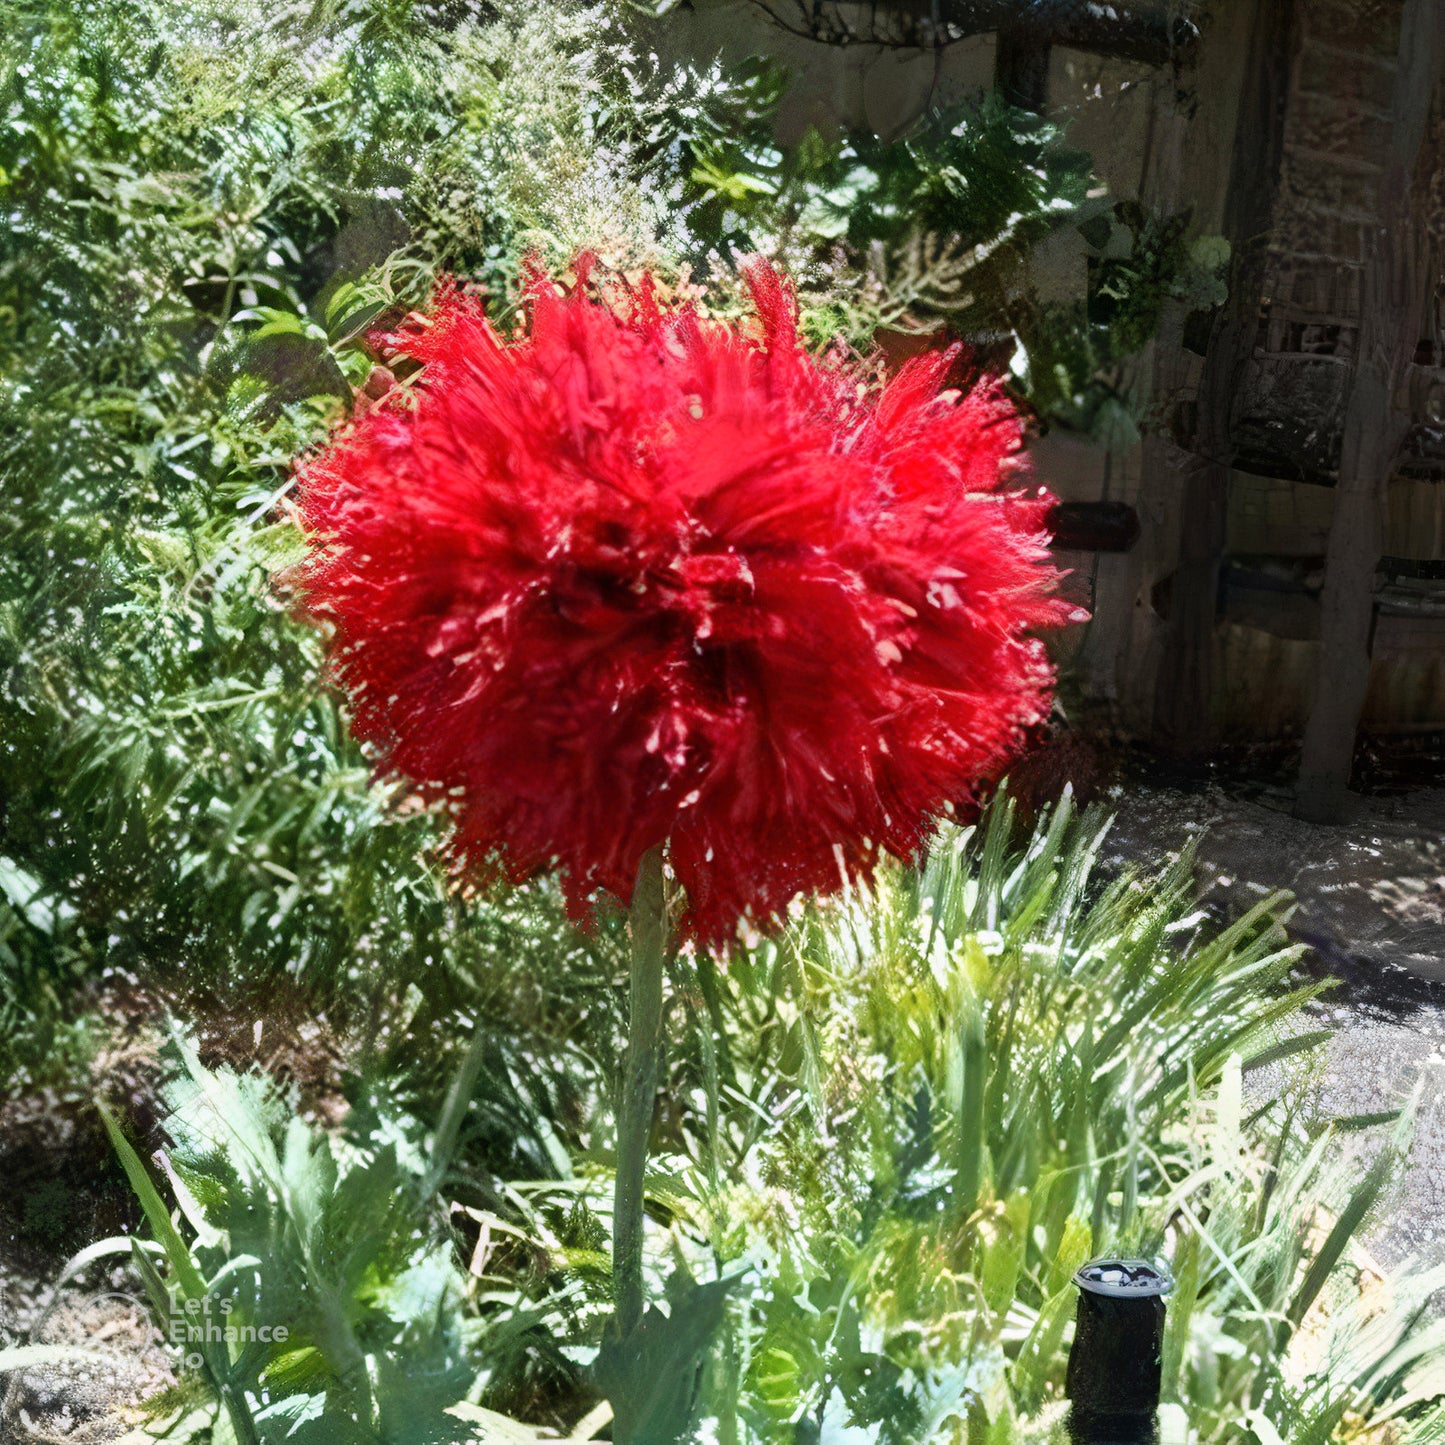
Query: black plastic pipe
point(1114, 1366)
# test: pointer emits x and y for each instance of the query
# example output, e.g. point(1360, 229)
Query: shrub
point(899, 1129)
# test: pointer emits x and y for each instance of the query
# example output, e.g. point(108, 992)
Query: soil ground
point(1371, 906)
point(61, 1189)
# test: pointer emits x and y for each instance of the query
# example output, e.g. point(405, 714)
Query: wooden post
point(1184, 694)
point(1394, 293)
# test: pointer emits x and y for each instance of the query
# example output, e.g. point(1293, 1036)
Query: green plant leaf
point(651, 1378)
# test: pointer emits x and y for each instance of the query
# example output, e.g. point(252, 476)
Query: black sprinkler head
point(1114, 1367)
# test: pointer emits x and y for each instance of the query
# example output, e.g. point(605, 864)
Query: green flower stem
point(651, 945)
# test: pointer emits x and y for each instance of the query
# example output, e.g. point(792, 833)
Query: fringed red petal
point(631, 576)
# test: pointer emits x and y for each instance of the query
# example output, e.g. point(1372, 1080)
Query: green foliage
point(941, 226)
point(925, 1108)
point(890, 1137)
point(755, 194)
point(1137, 265)
point(893, 1131)
point(202, 228)
point(651, 1378)
point(936, 226)
point(305, 1277)
point(209, 210)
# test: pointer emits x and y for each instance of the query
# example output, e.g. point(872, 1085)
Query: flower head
point(632, 576)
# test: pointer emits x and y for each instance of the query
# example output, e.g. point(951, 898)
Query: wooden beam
point(1147, 33)
point(1129, 29)
point(1093, 526)
point(1021, 67)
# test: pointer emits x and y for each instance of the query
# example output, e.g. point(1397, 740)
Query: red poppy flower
point(634, 576)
